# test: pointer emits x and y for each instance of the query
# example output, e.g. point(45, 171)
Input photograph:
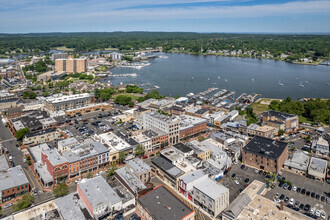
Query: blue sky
point(280, 16)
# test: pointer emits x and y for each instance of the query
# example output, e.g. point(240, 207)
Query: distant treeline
point(276, 44)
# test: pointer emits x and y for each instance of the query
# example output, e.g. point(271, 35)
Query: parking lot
point(313, 186)
point(241, 175)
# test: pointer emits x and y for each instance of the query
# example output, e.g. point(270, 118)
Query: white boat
point(279, 82)
point(192, 77)
point(252, 79)
point(208, 78)
point(226, 80)
point(219, 77)
point(306, 82)
point(301, 85)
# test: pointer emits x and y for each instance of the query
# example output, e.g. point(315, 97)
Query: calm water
point(174, 76)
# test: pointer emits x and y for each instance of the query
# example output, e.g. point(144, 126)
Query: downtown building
point(71, 65)
point(167, 124)
point(68, 102)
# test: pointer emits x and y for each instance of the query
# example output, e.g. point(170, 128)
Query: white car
point(291, 202)
point(317, 213)
point(294, 188)
point(257, 171)
point(8, 205)
point(312, 211)
point(236, 182)
point(323, 215)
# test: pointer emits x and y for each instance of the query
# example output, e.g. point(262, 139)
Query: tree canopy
point(20, 134)
point(61, 190)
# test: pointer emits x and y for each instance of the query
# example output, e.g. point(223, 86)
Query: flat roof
point(192, 176)
point(54, 157)
point(187, 121)
point(211, 188)
point(161, 204)
point(63, 98)
point(167, 166)
point(138, 165)
point(35, 151)
point(278, 114)
point(127, 175)
point(318, 165)
point(114, 141)
point(265, 147)
point(98, 191)
point(68, 142)
point(12, 177)
point(37, 133)
point(71, 207)
point(182, 147)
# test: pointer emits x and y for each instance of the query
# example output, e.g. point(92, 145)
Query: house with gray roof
point(298, 162)
point(317, 168)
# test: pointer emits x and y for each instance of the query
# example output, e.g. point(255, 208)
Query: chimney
point(281, 205)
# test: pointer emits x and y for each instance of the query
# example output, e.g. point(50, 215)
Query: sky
point(251, 16)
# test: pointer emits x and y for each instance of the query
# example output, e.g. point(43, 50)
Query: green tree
point(20, 134)
point(29, 95)
point(274, 105)
point(122, 156)
point(45, 94)
point(280, 132)
point(133, 89)
point(24, 203)
point(139, 150)
point(61, 190)
point(111, 171)
point(123, 100)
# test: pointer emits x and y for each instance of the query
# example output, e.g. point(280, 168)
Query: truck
point(4, 122)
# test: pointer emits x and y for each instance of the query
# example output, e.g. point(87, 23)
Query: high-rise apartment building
point(71, 65)
point(56, 56)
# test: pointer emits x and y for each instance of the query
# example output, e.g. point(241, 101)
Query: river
point(180, 74)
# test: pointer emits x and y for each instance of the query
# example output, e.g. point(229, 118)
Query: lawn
point(133, 96)
point(258, 108)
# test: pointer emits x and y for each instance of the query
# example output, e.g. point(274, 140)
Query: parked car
point(308, 193)
point(282, 197)
point(317, 196)
point(234, 175)
point(301, 206)
point(243, 166)
point(286, 199)
point(294, 188)
point(313, 194)
point(290, 187)
point(291, 202)
point(322, 198)
point(236, 182)
point(8, 205)
point(307, 207)
point(35, 192)
point(246, 180)
point(303, 191)
point(298, 190)
point(285, 186)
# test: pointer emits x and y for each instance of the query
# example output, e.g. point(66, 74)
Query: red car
point(246, 185)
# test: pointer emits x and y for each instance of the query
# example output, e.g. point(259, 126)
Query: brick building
point(71, 65)
point(63, 103)
point(13, 183)
point(161, 204)
point(57, 166)
point(280, 120)
point(190, 126)
point(265, 154)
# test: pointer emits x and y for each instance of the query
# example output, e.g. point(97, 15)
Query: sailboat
point(279, 82)
point(301, 85)
point(252, 79)
point(226, 80)
point(208, 78)
point(192, 77)
point(219, 77)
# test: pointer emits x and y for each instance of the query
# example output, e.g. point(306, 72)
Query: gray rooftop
point(192, 176)
point(13, 177)
point(35, 151)
point(318, 165)
point(127, 175)
point(163, 205)
point(71, 208)
point(167, 167)
point(211, 188)
point(172, 154)
point(3, 163)
point(236, 207)
point(68, 142)
point(43, 172)
point(299, 160)
point(138, 165)
point(98, 191)
point(54, 157)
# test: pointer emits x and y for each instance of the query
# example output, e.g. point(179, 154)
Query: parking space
point(319, 190)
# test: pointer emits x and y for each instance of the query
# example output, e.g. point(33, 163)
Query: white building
point(164, 123)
